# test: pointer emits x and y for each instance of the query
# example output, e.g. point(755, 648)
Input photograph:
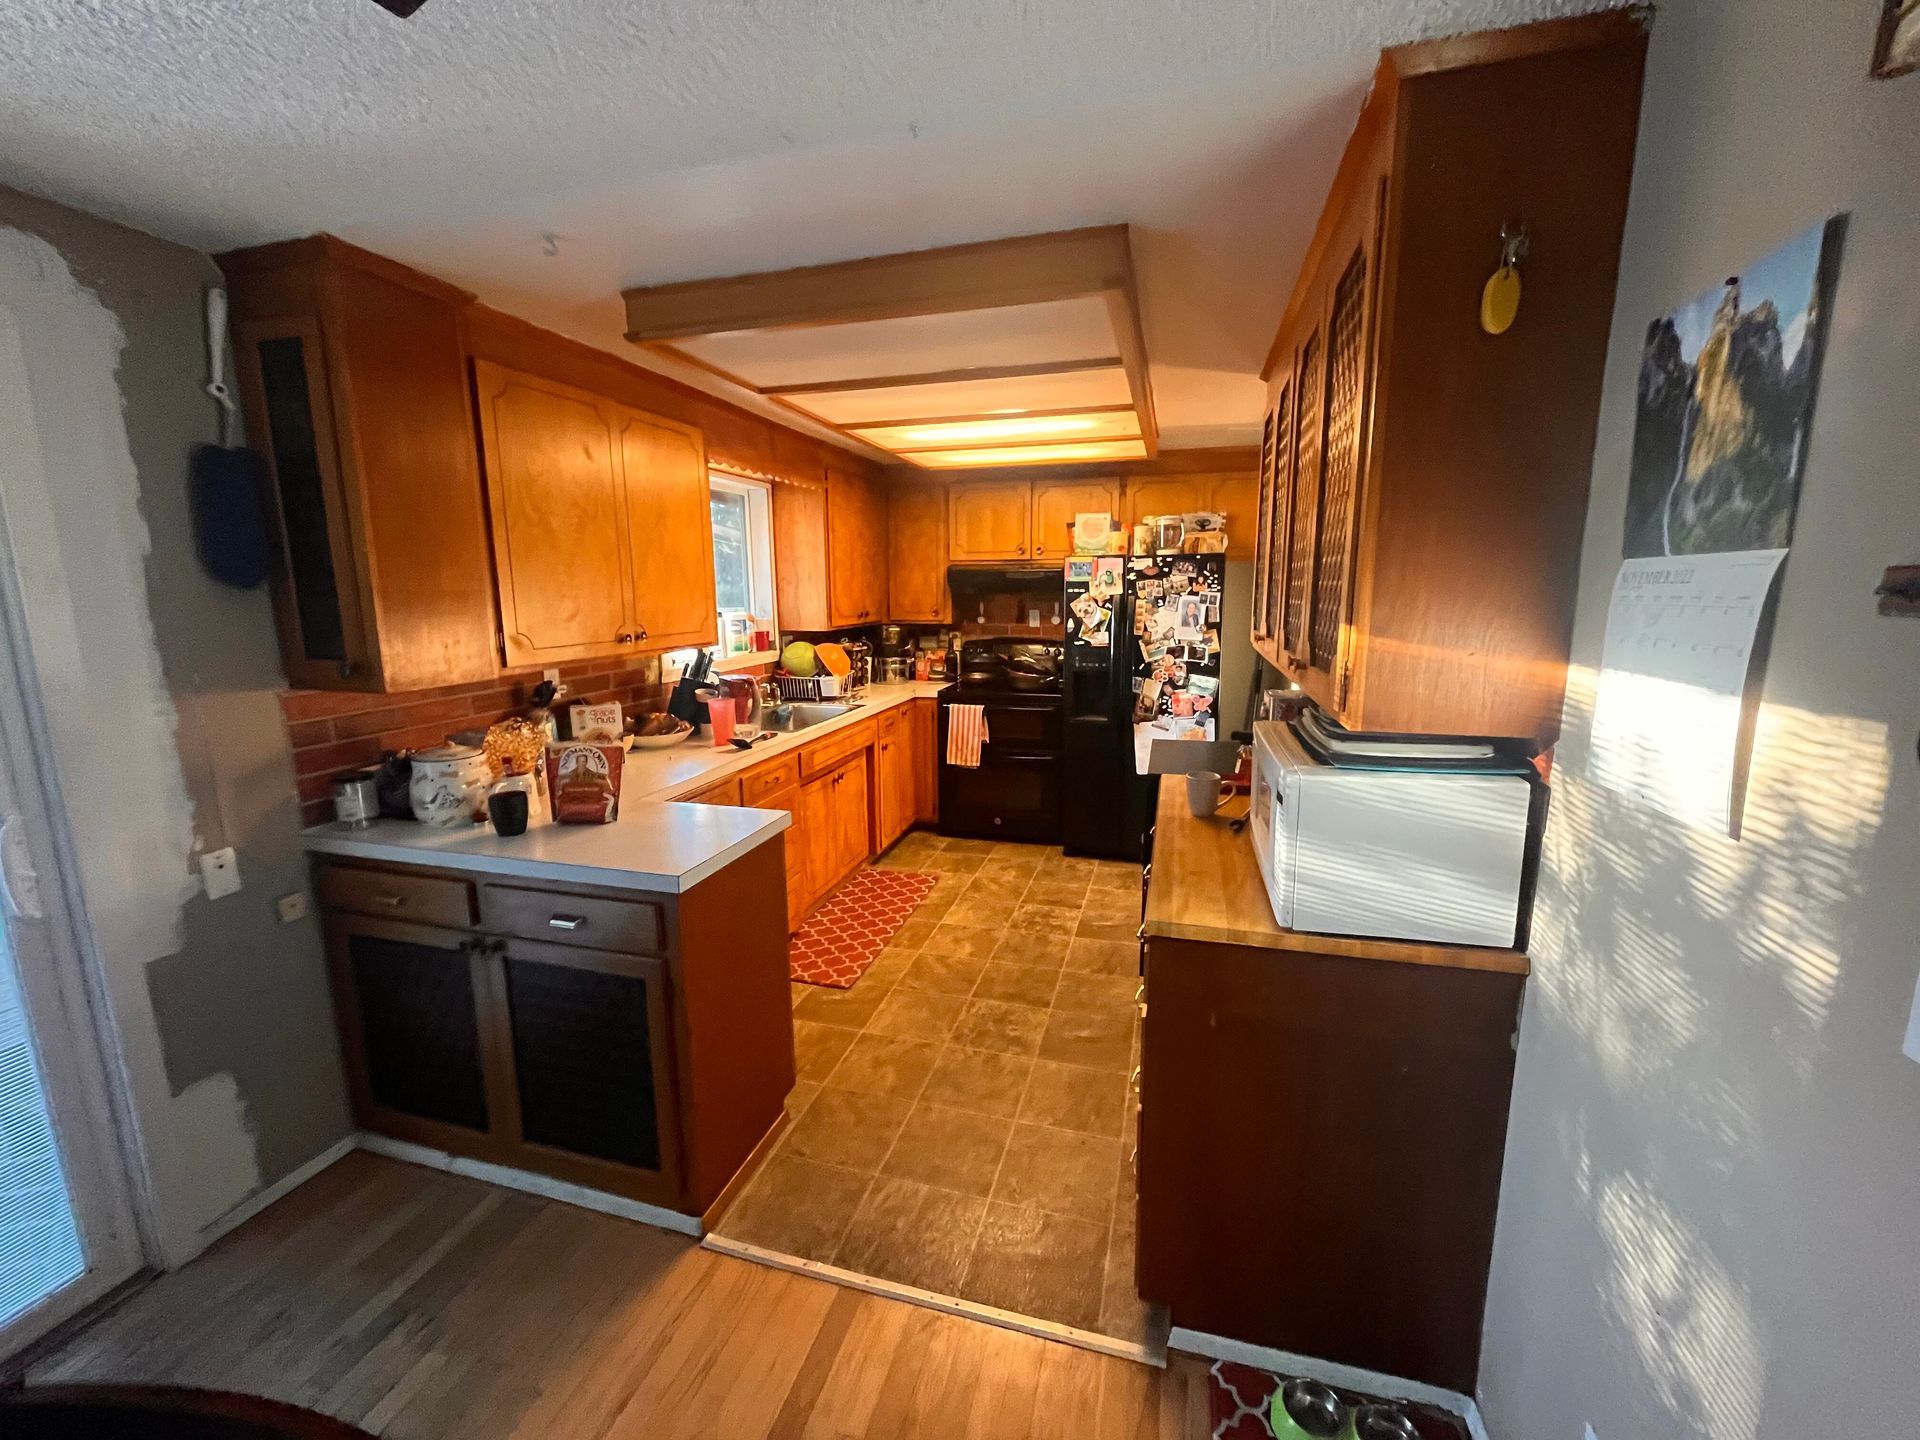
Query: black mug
point(508, 811)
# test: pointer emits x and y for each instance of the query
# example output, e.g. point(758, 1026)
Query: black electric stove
point(1014, 793)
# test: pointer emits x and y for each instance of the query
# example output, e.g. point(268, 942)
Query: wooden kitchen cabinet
point(989, 520)
point(1424, 484)
point(570, 1055)
point(1166, 495)
point(669, 526)
point(838, 822)
point(917, 554)
point(830, 550)
point(1322, 1120)
point(600, 521)
point(896, 777)
point(856, 550)
point(925, 725)
point(351, 374)
point(1056, 502)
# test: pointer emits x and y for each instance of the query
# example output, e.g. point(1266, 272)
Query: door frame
point(63, 982)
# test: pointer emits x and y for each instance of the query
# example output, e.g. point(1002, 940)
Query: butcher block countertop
point(1206, 886)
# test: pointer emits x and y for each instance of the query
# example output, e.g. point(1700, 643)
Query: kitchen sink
point(804, 716)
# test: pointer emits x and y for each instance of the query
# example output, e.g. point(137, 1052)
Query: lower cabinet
point(580, 1056)
point(926, 761)
point(897, 780)
point(837, 820)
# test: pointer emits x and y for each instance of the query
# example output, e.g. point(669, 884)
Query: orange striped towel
point(966, 733)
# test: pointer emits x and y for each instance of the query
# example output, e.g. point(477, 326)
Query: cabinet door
point(926, 761)
point(894, 759)
point(800, 555)
point(1056, 502)
point(1308, 417)
point(409, 1007)
point(917, 553)
point(1279, 531)
point(317, 601)
point(816, 822)
point(853, 816)
point(1263, 532)
point(561, 559)
point(1166, 495)
point(1238, 498)
point(669, 521)
point(989, 521)
point(591, 1059)
point(795, 841)
point(1336, 530)
point(854, 553)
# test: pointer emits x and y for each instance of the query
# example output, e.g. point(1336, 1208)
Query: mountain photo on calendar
point(1725, 402)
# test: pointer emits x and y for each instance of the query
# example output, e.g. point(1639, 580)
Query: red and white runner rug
point(837, 945)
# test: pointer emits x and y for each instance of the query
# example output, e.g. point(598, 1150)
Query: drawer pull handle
point(392, 902)
point(566, 922)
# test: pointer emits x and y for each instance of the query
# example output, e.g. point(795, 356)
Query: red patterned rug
point(837, 945)
point(1241, 1397)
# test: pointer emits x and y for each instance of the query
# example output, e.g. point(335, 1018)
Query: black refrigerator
point(1142, 664)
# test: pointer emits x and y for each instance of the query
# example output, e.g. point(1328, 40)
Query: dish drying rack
point(815, 688)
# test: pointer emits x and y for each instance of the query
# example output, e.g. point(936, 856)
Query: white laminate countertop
point(656, 845)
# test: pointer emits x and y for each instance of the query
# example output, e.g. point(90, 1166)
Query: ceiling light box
point(1020, 351)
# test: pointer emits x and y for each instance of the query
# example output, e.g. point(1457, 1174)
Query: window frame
point(764, 597)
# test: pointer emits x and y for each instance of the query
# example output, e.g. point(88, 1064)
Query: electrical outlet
point(292, 907)
point(220, 872)
point(552, 676)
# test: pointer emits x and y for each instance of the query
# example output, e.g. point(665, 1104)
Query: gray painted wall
point(1710, 1224)
point(244, 997)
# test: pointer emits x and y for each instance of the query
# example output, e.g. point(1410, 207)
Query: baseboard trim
point(1329, 1372)
point(1155, 1356)
point(529, 1183)
point(267, 1194)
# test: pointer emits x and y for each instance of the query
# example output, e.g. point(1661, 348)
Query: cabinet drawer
point(424, 899)
point(727, 792)
point(888, 725)
point(632, 926)
point(823, 756)
point(763, 780)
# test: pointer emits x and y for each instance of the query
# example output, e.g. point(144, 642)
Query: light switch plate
point(220, 872)
point(292, 907)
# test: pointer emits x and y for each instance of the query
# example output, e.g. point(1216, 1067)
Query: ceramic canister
point(449, 785)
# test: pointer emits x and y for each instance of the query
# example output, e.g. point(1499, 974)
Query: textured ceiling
point(662, 140)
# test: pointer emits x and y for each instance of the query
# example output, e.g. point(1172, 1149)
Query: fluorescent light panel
point(1062, 454)
point(1007, 429)
point(889, 404)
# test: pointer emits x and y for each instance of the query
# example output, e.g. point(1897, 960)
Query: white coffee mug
point(1203, 793)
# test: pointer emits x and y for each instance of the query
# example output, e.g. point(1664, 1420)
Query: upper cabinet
point(1423, 484)
point(352, 375)
point(1233, 494)
point(1056, 502)
point(601, 525)
point(989, 520)
point(830, 544)
point(917, 554)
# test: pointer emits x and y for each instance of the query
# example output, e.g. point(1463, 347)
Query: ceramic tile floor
point(964, 1119)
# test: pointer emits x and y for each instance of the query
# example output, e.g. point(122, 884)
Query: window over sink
point(742, 571)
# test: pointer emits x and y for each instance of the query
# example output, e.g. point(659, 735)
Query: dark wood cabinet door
point(282, 370)
point(669, 528)
point(591, 1059)
point(1349, 342)
point(1304, 499)
point(411, 1006)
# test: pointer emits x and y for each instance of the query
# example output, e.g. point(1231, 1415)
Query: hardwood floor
point(420, 1305)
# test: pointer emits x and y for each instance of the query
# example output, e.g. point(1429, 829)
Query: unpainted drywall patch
point(69, 493)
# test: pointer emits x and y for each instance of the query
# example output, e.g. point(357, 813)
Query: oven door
point(1025, 726)
point(1013, 795)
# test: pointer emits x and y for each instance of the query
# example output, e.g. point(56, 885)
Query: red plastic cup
point(720, 710)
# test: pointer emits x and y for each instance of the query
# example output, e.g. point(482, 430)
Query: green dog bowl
point(1306, 1410)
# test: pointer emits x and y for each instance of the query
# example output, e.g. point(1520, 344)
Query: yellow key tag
point(1500, 301)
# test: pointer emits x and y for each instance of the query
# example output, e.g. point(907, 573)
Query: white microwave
point(1395, 854)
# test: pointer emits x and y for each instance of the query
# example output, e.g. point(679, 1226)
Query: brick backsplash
point(333, 730)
